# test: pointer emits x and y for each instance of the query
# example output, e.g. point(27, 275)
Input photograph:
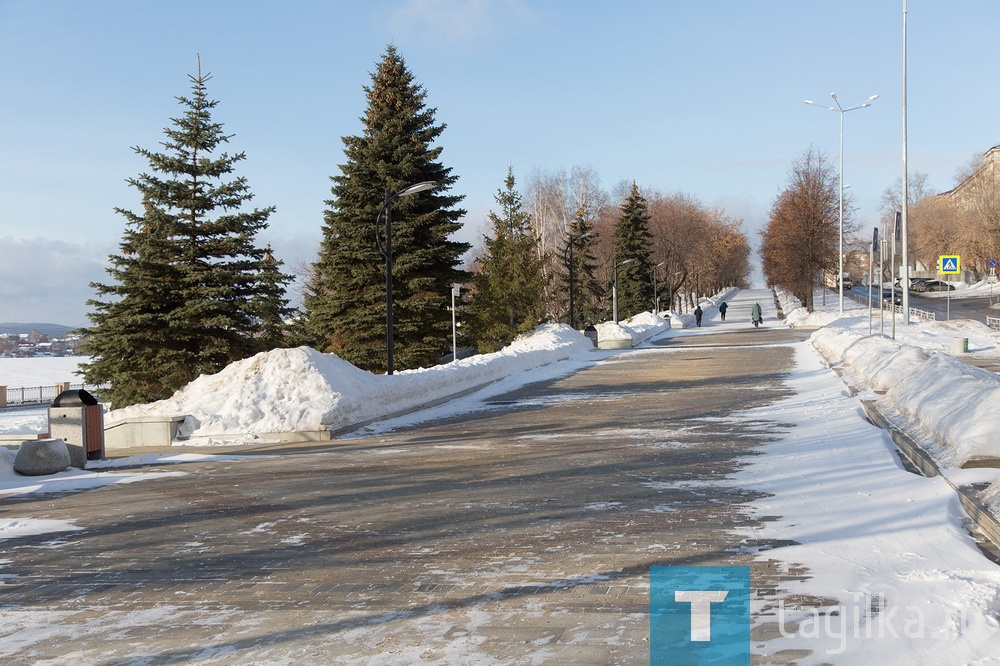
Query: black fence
point(40, 395)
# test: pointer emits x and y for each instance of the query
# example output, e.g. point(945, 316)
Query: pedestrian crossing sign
point(950, 264)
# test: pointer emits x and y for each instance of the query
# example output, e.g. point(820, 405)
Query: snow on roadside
point(955, 403)
point(292, 390)
point(956, 406)
point(895, 576)
point(638, 329)
point(71, 479)
point(288, 390)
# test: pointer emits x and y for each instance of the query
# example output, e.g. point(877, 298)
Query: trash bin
point(77, 418)
point(591, 332)
point(961, 346)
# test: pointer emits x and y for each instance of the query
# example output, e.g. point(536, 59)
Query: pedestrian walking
point(697, 315)
point(756, 315)
point(723, 306)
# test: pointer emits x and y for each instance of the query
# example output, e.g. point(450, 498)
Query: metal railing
point(993, 322)
point(915, 313)
point(37, 395)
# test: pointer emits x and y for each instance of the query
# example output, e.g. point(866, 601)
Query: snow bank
point(798, 316)
point(609, 330)
point(991, 498)
point(289, 390)
point(639, 328)
point(955, 403)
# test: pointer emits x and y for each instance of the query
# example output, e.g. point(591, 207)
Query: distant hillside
point(51, 330)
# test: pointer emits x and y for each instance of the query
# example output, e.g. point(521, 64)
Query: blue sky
point(703, 98)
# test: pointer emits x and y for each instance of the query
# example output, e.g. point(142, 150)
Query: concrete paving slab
point(522, 533)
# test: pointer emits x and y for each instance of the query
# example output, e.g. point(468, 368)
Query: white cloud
point(459, 21)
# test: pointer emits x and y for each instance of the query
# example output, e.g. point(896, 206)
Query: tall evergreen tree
point(508, 297)
point(588, 294)
point(634, 242)
point(345, 303)
point(190, 287)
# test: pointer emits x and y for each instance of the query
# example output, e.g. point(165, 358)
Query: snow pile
point(645, 325)
point(991, 498)
point(291, 390)
point(798, 316)
point(680, 320)
point(957, 404)
point(641, 327)
point(609, 330)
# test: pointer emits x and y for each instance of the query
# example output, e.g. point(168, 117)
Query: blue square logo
point(699, 615)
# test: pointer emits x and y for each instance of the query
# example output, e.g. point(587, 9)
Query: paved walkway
point(521, 533)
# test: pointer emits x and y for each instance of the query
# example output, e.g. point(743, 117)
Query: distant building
point(985, 178)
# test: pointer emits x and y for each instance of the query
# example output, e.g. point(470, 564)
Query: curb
point(976, 510)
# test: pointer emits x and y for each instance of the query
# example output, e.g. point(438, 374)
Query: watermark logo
point(699, 615)
point(869, 617)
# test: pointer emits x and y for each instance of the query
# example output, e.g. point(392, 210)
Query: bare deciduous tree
point(801, 237)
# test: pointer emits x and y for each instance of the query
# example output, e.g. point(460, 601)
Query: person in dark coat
point(723, 306)
point(756, 315)
point(697, 315)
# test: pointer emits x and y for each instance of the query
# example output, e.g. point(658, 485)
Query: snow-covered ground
point(890, 550)
point(40, 371)
point(949, 406)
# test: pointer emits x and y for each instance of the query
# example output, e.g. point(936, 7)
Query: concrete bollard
point(37, 457)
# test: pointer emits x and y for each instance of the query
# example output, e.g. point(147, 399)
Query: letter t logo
point(701, 610)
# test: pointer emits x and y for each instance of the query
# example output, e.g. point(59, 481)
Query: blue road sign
point(950, 264)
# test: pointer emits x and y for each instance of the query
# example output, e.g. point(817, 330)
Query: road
point(961, 308)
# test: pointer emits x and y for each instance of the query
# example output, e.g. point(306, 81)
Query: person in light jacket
point(756, 315)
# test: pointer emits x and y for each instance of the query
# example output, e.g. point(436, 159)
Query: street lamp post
point(385, 245)
point(614, 289)
point(656, 299)
point(455, 292)
point(842, 111)
point(569, 265)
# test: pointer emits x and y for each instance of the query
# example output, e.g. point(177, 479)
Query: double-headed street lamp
point(569, 265)
point(385, 246)
point(614, 289)
point(842, 111)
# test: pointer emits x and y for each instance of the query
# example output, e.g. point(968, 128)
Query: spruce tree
point(272, 312)
point(345, 301)
point(587, 290)
point(634, 242)
point(190, 289)
point(508, 288)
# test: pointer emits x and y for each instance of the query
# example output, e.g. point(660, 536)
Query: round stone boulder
point(37, 457)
